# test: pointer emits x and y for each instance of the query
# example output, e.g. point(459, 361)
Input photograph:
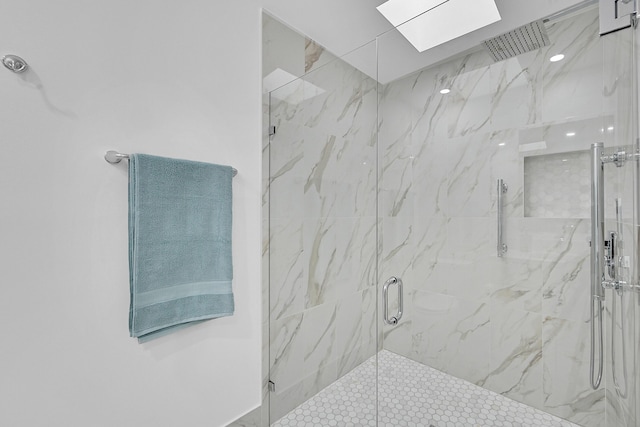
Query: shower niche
point(556, 173)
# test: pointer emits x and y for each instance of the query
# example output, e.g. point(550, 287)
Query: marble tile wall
point(517, 325)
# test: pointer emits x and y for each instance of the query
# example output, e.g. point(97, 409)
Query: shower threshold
point(413, 395)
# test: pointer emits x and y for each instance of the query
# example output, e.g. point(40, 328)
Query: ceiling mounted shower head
point(523, 39)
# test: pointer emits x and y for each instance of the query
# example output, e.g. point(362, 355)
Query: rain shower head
point(523, 39)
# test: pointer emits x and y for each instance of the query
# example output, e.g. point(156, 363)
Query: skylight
point(400, 11)
point(443, 21)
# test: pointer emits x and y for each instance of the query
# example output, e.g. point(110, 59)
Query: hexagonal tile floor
point(412, 395)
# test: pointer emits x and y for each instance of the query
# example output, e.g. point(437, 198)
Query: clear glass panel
point(620, 103)
point(517, 325)
point(322, 237)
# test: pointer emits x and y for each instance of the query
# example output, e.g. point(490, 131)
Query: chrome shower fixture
point(15, 63)
point(608, 263)
point(523, 39)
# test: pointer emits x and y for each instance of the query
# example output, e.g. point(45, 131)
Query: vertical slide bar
point(597, 261)
point(597, 220)
point(502, 188)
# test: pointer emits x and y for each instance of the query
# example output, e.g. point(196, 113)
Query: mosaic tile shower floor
point(412, 395)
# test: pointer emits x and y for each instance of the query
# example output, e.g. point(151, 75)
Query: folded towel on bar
point(180, 266)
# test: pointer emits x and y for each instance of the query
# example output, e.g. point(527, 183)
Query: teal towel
point(180, 266)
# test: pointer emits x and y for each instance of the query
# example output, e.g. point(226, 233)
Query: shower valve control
point(610, 254)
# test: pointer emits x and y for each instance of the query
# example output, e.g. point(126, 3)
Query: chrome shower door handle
point(385, 301)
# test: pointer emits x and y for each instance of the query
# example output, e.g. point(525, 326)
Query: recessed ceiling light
point(433, 28)
point(564, 160)
point(610, 128)
point(501, 144)
point(445, 91)
point(556, 58)
point(571, 134)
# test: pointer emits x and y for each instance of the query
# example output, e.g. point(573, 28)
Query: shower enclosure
point(444, 218)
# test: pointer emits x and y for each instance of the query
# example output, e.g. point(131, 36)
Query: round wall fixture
point(15, 63)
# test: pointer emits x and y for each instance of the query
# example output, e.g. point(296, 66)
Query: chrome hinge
point(620, 157)
point(272, 130)
point(613, 15)
point(271, 386)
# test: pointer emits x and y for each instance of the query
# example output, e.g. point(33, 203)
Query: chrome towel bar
point(114, 157)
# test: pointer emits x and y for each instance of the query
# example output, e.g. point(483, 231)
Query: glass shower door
point(515, 322)
point(322, 240)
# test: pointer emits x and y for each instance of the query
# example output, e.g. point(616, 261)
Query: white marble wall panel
point(286, 157)
point(287, 276)
point(469, 187)
point(516, 84)
point(573, 87)
point(470, 101)
point(339, 161)
point(446, 332)
point(516, 355)
point(338, 255)
point(429, 259)
point(356, 334)
point(430, 109)
point(430, 170)
point(567, 392)
point(518, 287)
point(398, 246)
point(323, 229)
point(303, 355)
point(566, 271)
point(454, 337)
point(315, 56)
point(396, 152)
point(470, 272)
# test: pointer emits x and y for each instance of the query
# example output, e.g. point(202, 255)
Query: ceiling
point(343, 26)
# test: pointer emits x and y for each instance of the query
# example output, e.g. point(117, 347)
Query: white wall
point(178, 79)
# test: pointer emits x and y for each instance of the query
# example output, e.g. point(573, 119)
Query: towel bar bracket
point(114, 157)
point(15, 63)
